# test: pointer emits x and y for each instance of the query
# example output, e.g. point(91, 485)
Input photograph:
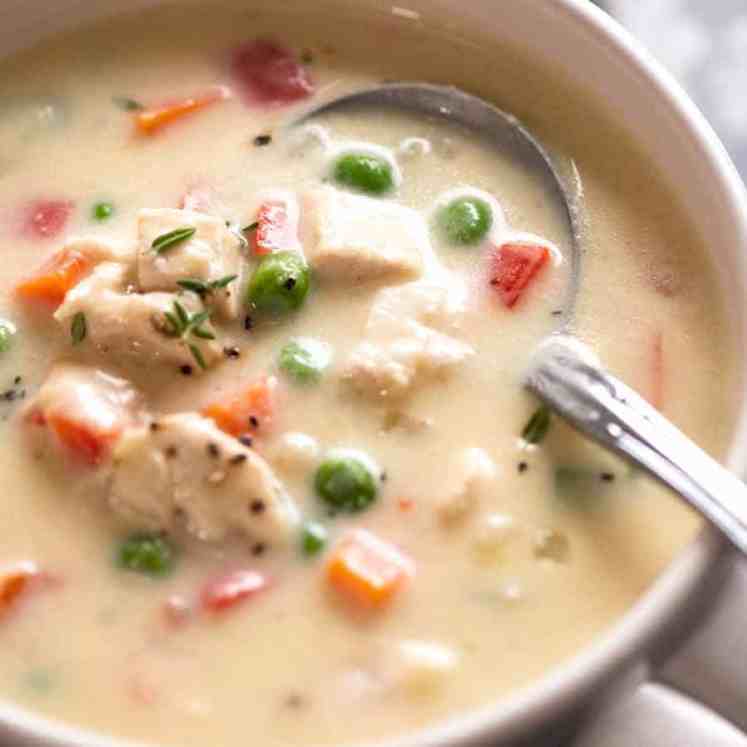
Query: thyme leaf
point(537, 426)
point(181, 315)
point(78, 328)
point(196, 286)
point(202, 288)
point(203, 334)
point(197, 355)
point(223, 282)
point(161, 244)
point(127, 104)
point(189, 327)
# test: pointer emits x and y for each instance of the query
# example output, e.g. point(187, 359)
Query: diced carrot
point(14, 582)
point(150, 121)
point(513, 267)
point(274, 231)
point(368, 570)
point(45, 219)
point(406, 504)
point(51, 282)
point(657, 371)
point(82, 439)
point(247, 411)
point(227, 591)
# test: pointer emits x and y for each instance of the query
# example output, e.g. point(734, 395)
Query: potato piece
point(474, 472)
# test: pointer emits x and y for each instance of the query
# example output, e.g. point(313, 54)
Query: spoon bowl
point(502, 130)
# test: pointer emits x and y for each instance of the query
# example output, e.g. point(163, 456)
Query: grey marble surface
point(704, 44)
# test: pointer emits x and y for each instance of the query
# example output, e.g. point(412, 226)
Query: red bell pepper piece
point(224, 592)
point(268, 73)
point(46, 219)
point(513, 266)
point(274, 231)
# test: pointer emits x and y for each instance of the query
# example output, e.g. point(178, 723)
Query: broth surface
point(561, 541)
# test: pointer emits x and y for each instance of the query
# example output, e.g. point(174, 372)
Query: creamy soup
point(270, 475)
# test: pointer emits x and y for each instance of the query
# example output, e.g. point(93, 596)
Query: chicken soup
point(270, 474)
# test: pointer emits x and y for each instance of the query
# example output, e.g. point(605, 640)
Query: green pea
point(313, 538)
point(279, 284)
point(150, 554)
point(364, 172)
point(102, 211)
point(7, 333)
point(465, 221)
point(346, 483)
point(304, 360)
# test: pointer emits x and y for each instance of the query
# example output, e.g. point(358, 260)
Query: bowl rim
point(563, 686)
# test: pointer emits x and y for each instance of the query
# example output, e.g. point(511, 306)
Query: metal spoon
point(564, 373)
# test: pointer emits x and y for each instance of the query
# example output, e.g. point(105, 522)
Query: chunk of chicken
point(84, 410)
point(99, 250)
point(211, 254)
point(405, 341)
point(358, 239)
point(119, 322)
point(182, 468)
point(421, 668)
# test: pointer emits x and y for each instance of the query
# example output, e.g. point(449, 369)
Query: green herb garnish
point(313, 538)
point(127, 104)
point(78, 328)
point(202, 288)
point(161, 244)
point(180, 323)
point(250, 227)
point(150, 554)
point(7, 333)
point(197, 355)
point(536, 429)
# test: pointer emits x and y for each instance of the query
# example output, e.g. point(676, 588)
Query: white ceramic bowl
point(594, 51)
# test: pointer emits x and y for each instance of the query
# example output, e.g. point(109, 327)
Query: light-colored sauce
point(297, 665)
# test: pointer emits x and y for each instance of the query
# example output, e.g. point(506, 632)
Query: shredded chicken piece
point(359, 239)
point(181, 469)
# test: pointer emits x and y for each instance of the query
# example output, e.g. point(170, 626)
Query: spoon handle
point(566, 376)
